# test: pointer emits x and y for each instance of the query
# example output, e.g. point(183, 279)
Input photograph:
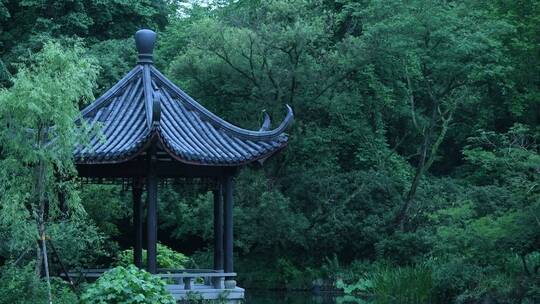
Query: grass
point(404, 285)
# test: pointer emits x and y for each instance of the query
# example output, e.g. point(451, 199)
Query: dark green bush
point(14, 281)
point(125, 285)
point(166, 258)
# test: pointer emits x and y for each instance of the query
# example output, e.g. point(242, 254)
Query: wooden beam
point(151, 186)
point(218, 226)
point(137, 221)
point(164, 169)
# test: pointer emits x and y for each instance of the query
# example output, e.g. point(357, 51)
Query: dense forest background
point(415, 144)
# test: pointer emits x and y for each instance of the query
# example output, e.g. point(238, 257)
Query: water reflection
point(268, 297)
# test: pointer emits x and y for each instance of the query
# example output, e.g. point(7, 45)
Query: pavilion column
point(152, 187)
point(218, 226)
point(137, 221)
point(228, 229)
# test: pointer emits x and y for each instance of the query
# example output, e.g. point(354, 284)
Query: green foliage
point(127, 285)
point(429, 103)
point(391, 284)
point(266, 218)
point(281, 274)
point(14, 280)
point(78, 243)
point(373, 83)
point(196, 298)
point(361, 287)
point(107, 205)
point(291, 276)
point(38, 135)
point(117, 57)
point(520, 101)
point(63, 293)
point(191, 207)
point(166, 258)
point(487, 243)
point(403, 285)
point(95, 20)
point(354, 97)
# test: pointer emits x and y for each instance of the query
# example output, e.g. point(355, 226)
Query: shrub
point(14, 280)
point(62, 292)
point(196, 298)
point(166, 258)
point(388, 284)
point(361, 287)
point(456, 278)
point(281, 274)
point(403, 285)
point(123, 285)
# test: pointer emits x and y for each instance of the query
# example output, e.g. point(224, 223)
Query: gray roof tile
point(145, 104)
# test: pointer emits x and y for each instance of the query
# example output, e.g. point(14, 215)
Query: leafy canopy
point(37, 138)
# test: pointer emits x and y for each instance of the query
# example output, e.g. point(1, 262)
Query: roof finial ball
point(145, 40)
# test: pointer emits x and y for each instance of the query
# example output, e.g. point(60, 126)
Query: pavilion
point(151, 130)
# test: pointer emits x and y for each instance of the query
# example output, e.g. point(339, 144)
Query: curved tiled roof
point(145, 105)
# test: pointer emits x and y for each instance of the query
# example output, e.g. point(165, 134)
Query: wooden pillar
point(151, 186)
point(137, 221)
point(218, 226)
point(228, 224)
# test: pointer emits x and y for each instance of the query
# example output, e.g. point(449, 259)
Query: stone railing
point(216, 279)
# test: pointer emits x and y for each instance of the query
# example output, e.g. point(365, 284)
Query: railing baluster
point(188, 283)
point(219, 282)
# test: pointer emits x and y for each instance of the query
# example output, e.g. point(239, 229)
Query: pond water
point(269, 297)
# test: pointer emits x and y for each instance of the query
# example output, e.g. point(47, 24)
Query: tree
point(38, 136)
point(437, 57)
point(520, 101)
point(96, 21)
point(250, 56)
point(492, 227)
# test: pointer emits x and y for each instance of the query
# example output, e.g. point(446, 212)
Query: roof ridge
point(225, 125)
point(151, 99)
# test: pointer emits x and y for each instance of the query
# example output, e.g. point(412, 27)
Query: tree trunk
point(39, 257)
point(41, 212)
point(427, 156)
point(420, 169)
point(45, 259)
